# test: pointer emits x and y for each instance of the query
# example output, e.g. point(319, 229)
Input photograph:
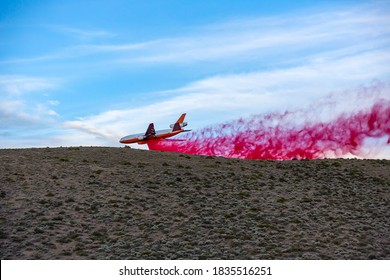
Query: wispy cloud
point(11, 114)
point(15, 109)
point(16, 85)
point(260, 39)
point(270, 38)
point(82, 34)
point(278, 39)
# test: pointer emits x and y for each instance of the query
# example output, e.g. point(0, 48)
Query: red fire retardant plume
point(275, 136)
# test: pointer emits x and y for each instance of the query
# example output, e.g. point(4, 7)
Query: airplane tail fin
point(179, 124)
point(181, 119)
point(150, 131)
point(176, 127)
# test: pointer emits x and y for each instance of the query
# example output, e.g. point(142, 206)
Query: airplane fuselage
point(152, 135)
point(142, 139)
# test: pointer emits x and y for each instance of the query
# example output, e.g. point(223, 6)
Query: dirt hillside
point(120, 203)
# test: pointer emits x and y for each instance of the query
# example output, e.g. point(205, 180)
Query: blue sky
point(89, 72)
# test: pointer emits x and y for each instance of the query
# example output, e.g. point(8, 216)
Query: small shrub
point(49, 194)
point(69, 200)
point(3, 234)
point(38, 230)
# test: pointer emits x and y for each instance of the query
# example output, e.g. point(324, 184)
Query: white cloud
point(16, 85)
point(43, 111)
point(52, 113)
point(279, 40)
point(82, 34)
point(11, 113)
point(90, 127)
point(267, 38)
point(53, 102)
point(15, 109)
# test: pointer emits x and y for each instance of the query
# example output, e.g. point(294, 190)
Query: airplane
point(152, 135)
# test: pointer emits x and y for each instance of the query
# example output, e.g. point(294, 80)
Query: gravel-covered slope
point(120, 203)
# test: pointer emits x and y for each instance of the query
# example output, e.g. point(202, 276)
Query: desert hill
point(120, 203)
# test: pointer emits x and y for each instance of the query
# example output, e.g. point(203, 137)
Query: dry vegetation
point(118, 203)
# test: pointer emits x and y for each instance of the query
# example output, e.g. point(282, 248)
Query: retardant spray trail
point(276, 136)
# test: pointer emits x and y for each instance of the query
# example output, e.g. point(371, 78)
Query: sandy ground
point(119, 203)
